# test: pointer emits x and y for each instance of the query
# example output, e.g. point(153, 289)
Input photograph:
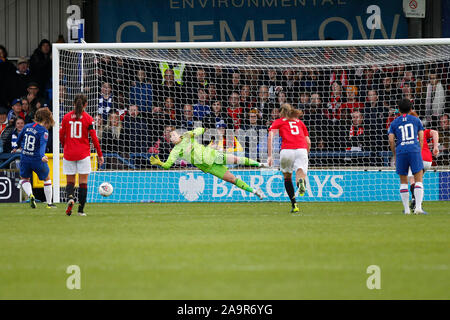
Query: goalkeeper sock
point(404, 193)
point(241, 184)
point(82, 194)
point(48, 191)
point(418, 192)
point(290, 191)
point(412, 190)
point(248, 162)
point(70, 189)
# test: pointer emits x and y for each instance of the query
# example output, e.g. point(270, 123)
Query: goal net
point(347, 91)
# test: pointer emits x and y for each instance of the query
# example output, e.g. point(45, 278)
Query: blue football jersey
point(406, 129)
point(34, 139)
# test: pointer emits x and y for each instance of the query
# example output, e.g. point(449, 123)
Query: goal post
point(347, 91)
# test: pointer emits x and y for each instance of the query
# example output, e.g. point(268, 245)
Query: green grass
point(225, 251)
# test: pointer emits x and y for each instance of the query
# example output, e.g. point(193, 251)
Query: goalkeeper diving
point(207, 159)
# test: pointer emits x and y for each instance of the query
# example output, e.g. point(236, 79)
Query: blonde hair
point(45, 116)
point(287, 111)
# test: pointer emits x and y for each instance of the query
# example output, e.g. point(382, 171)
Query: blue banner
point(190, 186)
point(249, 20)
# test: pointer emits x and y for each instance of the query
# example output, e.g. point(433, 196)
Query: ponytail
point(287, 111)
point(79, 102)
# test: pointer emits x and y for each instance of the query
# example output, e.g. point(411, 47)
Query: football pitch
point(225, 251)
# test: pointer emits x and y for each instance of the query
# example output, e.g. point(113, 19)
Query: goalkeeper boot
point(301, 187)
point(51, 206)
point(70, 204)
point(295, 209)
point(259, 193)
point(264, 165)
point(32, 202)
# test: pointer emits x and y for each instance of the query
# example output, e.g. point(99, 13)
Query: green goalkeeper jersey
point(193, 152)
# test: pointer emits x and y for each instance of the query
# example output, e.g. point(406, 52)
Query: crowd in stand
point(139, 102)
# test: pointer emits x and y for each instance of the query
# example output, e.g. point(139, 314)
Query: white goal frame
point(57, 47)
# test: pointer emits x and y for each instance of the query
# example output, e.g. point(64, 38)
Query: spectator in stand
point(212, 94)
point(316, 122)
point(135, 134)
point(281, 99)
point(33, 96)
point(352, 102)
point(217, 116)
point(3, 119)
point(19, 123)
point(6, 74)
point(273, 82)
point(408, 93)
point(235, 111)
point(187, 119)
point(141, 92)
point(20, 79)
point(163, 146)
point(200, 81)
point(245, 98)
point(290, 84)
point(375, 116)
point(444, 140)
point(274, 115)
point(263, 103)
point(26, 113)
point(105, 101)
point(303, 103)
point(387, 89)
point(408, 77)
point(221, 80)
point(170, 110)
point(235, 83)
point(334, 104)
point(6, 129)
point(98, 126)
point(435, 100)
point(158, 121)
point(201, 108)
point(16, 110)
point(121, 103)
point(41, 65)
point(356, 137)
point(169, 88)
point(112, 141)
point(253, 122)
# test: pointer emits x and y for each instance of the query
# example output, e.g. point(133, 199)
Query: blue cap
point(16, 101)
point(221, 124)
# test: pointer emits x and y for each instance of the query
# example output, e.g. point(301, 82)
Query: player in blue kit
point(34, 137)
point(406, 141)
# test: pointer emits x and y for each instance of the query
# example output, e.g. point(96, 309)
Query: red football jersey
point(74, 136)
point(293, 133)
point(426, 153)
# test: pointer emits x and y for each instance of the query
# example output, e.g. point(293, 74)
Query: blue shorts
point(40, 168)
point(406, 160)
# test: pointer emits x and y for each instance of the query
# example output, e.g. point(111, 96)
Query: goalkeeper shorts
point(217, 170)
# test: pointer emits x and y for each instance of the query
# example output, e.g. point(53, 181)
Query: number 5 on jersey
point(75, 129)
point(294, 128)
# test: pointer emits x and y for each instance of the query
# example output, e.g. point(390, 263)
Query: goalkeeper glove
point(155, 161)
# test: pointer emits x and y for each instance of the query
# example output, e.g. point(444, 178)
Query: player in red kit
point(76, 127)
point(295, 146)
point(427, 157)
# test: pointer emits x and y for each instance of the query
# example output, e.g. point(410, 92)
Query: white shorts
point(293, 159)
point(426, 166)
point(74, 167)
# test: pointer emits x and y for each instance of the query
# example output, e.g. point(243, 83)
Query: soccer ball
point(105, 189)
